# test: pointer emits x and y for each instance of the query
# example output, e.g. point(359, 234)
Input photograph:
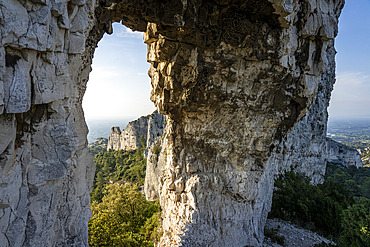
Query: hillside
point(121, 216)
point(98, 145)
point(339, 209)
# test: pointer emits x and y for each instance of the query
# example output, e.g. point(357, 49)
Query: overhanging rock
point(244, 86)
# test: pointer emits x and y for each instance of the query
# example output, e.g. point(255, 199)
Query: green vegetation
point(356, 224)
point(156, 151)
point(328, 208)
point(315, 207)
point(96, 149)
point(273, 235)
point(365, 157)
point(117, 166)
point(100, 144)
point(124, 218)
point(121, 214)
point(355, 180)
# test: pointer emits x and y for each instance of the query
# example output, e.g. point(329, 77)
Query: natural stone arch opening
point(118, 90)
point(243, 83)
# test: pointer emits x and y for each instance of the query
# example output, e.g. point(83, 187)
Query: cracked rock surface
point(244, 86)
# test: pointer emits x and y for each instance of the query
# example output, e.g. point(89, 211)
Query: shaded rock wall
point(244, 85)
point(244, 101)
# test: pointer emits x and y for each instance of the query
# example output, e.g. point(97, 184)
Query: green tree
point(355, 180)
point(118, 166)
point(142, 142)
point(319, 207)
point(356, 224)
point(123, 218)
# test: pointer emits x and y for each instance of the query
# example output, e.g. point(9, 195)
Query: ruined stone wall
point(244, 85)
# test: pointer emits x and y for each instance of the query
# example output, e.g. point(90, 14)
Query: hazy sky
point(120, 87)
point(351, 95)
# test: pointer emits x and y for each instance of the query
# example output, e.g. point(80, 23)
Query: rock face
point(114, 139)
point(46, 170)
point(156, 126)
point(244, 86)
point(244, 101)
point(149, 127)
point(341, 154)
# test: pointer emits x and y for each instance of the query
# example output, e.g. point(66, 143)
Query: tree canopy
point(328, 208)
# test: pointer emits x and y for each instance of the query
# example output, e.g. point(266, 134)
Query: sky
point(351, 95)
point(119, 85)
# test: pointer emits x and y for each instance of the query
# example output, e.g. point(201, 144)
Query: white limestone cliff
point(244, 86)
point(339, 153)
point(148, 127)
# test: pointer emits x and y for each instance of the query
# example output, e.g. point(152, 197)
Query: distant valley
point(354, 133)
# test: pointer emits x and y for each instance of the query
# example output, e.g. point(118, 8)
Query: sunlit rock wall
point(244, 85)
point(339, 153)
point(46, 170)
point(148, 127)
point(114, 139)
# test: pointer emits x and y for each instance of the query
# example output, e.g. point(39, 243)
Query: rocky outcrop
point(244, 86)
point(114, 139)
point(339, 153)
point(46, 170)
point(241, 106)
point(148, 127)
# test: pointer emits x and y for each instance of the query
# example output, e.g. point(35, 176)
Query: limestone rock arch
point(244, 84)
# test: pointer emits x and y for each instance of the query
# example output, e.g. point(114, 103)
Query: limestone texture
point(339, 153)
point(244, 86)
point(46, 170)
point(149, 127)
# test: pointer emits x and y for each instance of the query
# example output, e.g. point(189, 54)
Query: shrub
point(123, 218)
point(273, 235)
point(356, 224)
point(318, 207)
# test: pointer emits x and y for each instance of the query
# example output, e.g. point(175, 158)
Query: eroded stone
point(244, 86)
